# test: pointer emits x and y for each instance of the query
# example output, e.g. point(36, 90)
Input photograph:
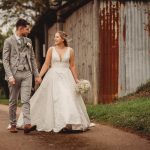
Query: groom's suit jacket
point(11, 56)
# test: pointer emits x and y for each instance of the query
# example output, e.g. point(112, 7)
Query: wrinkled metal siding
point(109, 50)
point(124, 47)
point(134, 47)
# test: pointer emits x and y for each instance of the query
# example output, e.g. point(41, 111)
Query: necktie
point(21, 41)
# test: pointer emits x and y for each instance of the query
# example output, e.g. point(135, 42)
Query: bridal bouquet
point(82, 86)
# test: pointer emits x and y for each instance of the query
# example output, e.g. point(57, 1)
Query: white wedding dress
point(56, 104)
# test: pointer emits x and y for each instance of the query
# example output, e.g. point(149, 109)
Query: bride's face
point(57, 39)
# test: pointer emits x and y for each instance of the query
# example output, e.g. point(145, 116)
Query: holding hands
point(38, 80)
point(11, 80)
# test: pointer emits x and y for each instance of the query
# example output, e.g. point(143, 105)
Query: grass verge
point(6, 102)
point(133, 114)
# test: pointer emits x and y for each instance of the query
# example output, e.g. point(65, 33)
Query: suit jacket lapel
point(14, 41)
point(25, 48)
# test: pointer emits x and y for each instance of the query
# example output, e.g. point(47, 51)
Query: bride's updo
point(64, 36)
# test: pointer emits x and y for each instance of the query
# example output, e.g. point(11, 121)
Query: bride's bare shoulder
point(50, 49)
point(71, 49)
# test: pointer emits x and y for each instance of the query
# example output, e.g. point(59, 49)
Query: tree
point(31, 10)
point(3, 83)
point(28, 9)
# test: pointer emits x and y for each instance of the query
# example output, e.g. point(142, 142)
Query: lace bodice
point(59, 62)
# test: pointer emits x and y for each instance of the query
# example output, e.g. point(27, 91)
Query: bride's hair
point(64, 36)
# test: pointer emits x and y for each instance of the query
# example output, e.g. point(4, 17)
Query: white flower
point(29, 44)
point(82, 86)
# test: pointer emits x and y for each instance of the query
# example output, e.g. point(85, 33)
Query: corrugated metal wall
point(134, 46)
point(109, 50)
point(124, 47)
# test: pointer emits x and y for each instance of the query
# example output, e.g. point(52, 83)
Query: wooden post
point(95, 65)
point(59, 21)
point(46, 36)
point(37, 51)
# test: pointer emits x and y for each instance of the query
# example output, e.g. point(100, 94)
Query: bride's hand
point(38, 80)
point(77, 81)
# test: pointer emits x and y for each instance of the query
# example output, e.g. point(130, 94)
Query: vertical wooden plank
point(80, 25)
point(95, 43)
point(37, 51)
point(46, 36)
point(51, 33)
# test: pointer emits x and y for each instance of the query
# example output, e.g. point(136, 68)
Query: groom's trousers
point(23, 87)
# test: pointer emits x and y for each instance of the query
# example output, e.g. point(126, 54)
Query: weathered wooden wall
point(82, 31)
point(51, 33)
point(80, 26)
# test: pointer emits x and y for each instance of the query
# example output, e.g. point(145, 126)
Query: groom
point(19, 64)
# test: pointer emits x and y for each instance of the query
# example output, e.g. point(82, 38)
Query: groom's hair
point(21, 23)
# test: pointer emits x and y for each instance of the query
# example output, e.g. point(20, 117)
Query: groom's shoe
point(13, 129)
point(28, 128)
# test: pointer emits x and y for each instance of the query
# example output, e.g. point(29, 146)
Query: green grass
point(133, 114)
point(4, 101)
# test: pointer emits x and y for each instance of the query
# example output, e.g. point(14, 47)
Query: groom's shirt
point(18, 38)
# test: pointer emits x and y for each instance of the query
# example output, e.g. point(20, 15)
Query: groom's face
point(24, 31)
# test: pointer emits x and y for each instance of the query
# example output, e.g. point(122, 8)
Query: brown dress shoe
point(28, 128)
point(13, 129)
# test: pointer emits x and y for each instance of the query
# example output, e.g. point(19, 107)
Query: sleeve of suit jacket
point(33, 63)
point(6, 58)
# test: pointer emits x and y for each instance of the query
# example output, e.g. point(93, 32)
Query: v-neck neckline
point(61, 57)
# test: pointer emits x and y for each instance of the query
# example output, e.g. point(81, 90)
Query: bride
point(56, 105)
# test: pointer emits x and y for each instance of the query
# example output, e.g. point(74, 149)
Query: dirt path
point(98, 138)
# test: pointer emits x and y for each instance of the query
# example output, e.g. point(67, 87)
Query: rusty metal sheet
point(109, 50)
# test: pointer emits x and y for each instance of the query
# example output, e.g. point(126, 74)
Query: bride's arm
point(47, 62)
point(72, 66)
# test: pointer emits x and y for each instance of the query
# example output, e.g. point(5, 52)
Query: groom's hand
point(12, 81)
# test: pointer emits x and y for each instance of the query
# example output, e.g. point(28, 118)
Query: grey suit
point(14, 58)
